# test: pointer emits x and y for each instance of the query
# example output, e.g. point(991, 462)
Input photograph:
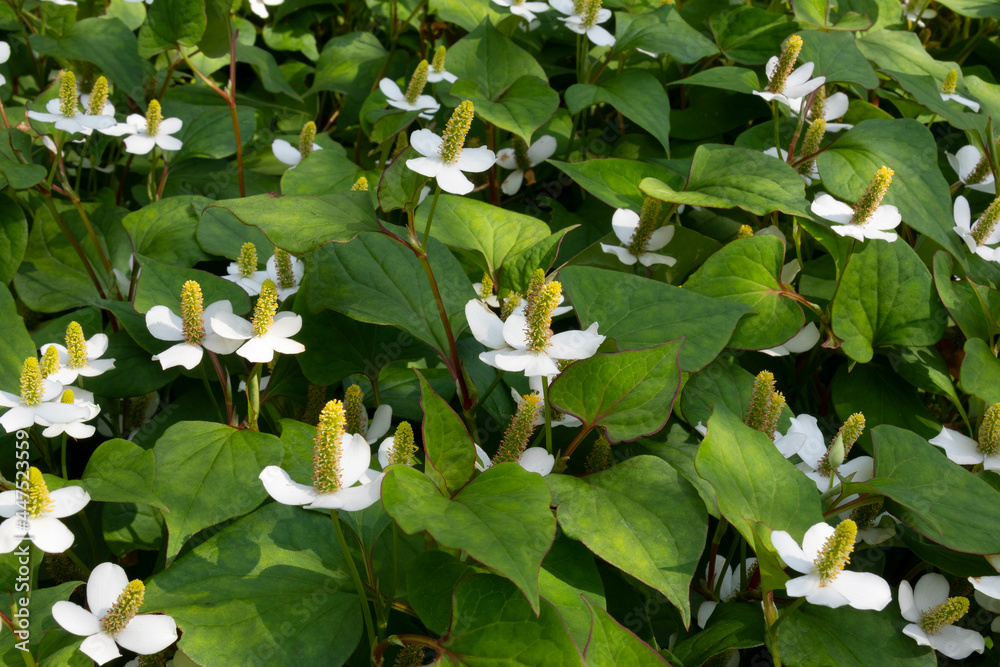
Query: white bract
point(964, 162)
point(77, 122)
point(964, 226)
point(260, 348)
point(166, 325)
point(538, 152)
point(580, 24)
point(395, 96)
point(448, 174)
point(97, 345)
point(22, 415)
point(298, 271)
point(803, 437)
point(813, 174)
point(920, 604)
point(910, 8)
point(624, 223)
point(75, 428)
point(4, 57)
point(139, 141)
point(143, 634)
point(833, 587)
point(803, 341)
point(558, 418)
point(289, 154)
point(963, 450)
point(798, 85)
point(884, 218)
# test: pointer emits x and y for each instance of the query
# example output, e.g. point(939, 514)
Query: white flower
point(988, 591)
point(836, 106)
point(538, 152)
point(259, 7)
point(250, 284)
point(813, 174)
point(524, 9)
point(260, 349)
point(799, 83)
point(804, 340)
point(834, 587)
point(298, 270)
point(533, 459)
point(96, 346)
point(963, 450)
point(884, 218)
point(22, 415)
point(78, 122)
point(492, 301)
point(972, 104)
point(434, 75)
point(43, 527)
point(804, 438)
point(164, 324)
point(558, 418)
point(144, 634)
point(395, 96)
point(927, 596)
point(964, 163)
point(578, 22)
point(881, 529)
point(289, 154)
point(140, 142)
point(910, 11)
point(355, 454)
point(860, 469)
point(624, 223)
point(4, 57)
point(448, 174)
point(509, 343)
point(379, 424)
point(963, 227)
point(728, 588)
point(75, 428)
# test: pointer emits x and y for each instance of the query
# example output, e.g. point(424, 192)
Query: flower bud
point(283, 267)
point(987, 222)
point(438, 63)
point(360, 185)
point(38, 501)
point(542, 298)
point(943, 615)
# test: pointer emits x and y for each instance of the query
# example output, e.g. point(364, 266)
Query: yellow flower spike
point(38, 502)
point(872, 197)
point(518, 434)
point(438, 63)
point(455, 131)
point(765, 405)
point(981, 170)
point(592, 11)
point(31, 382)
point(542, 299)
point(247, 262)
point(987, 222)
point(811, 144)
point(267, 306)
point(327, 448)
point(786, 63)
point(125, 608)
point(153, 118)
point(836, 553)
point(649, 220)
point(68, 105)
point(192, 313)
point(283, 267)
point(360, 185)
point(98, 97)
point(417, 82)
point(307, 137)
point(943, 615)
point(67, 396)
point(510, 301)
point(950, 82)
point(486, 289)
point(76, 345)
point(354, 409)
point(745, 232)
point(50, 361)
point(989, 431)
point(579, 7)
point(402, 445)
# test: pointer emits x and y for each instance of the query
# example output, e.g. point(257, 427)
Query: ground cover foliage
point(351, 332)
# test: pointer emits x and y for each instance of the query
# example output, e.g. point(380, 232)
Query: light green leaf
point(749, 35)
point(15, 344)
point(165, 230)
point(570, 580)
point(980, 374)
point(612, 645)
point(837, 57)
point(521, 108)
point(616, 181)
point(662, 30)
point(106, 43)
point(641, 516)
point(638, 95)
point(160, 284)
point(975, 8)
point(450, 450)
point(726, 77)
point(508, 62)
point(321, 173)
point(179, 21)
point(120, 471)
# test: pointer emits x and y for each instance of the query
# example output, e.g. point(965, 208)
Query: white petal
point(74, 618)
point(827, 207)
point(863, 590)
point(232, 326)
point(11, 534)
point(286, 324)
point(600, 36)
point(139, 144)
point(182, 354)
point(170, 126)
point(384, 449)
point(930, 591)
point(771, 67)
point(354, 458)
point(836, 106)
point(536, 459)
point(106, 583)
point(213, 342)
point(506, 159)
point(476, 160)
point(652, 258)
point(381, 421)
point(391, 90)
point(148, 634)
point(790, 551)
point(50, 535)
point(815, 538)
point(957, 643)
point(543, 148)
point(987, 587)
point(623, 255)
point(351, 499)
point(164, 324)
point(575, 344)
point(101, 648)
point(426, 143)
point(280, 486)
point(854, 231)
point(486, 327)
point(804, 340)
point(512, 184)
point(961, 449)
point(705, 612)
point(624, 223)
point(907, 606)
point(17, 418)
point(67, 501)
point(885, 217)
point(659, 238)
point(426, 166)
point(967, 158)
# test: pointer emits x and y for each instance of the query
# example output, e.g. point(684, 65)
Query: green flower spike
point(455, 131)
point(542, 299)
point(872, 197)
point(989, 431)
point(266, 308)
point(125, 608)
point(649, 221)
point(98, 97)
point(50, 361)
point(786, 63)
point(518, 434)
point(283, 267)
point(402, 445)
point(68, 105)
point(307, 137)
point(417, 83)
point(247, 262)
point(192, 313)
point(31, 382)
point(765, 405)
point(327, 448)
point(354, 409)
point(836, 553)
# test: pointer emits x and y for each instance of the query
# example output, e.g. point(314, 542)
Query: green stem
point(777, 127)
point(786, 612)
point(76, 561)
point(430, 218)
point(253, 397)
point(208, 390)
point(64, 448)
point(548, 415)
point(489, 389)
point(352, 566)
point(771, 618)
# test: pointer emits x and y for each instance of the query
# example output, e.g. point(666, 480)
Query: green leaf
point(106, 43)
point(662, 30)
point(747, 271)
point(849, 638)
point(974, 8)
point(730, 176)
point(430, 584)
point(721, 383)
point(278, 578)
point(501, 518)
point(349, 64)
point(490, 233)
point(749, 35)
point(570, 580)
point(837, 57)
point(160, 284)
point(207, 473)
point(183, 22)
point(629, 394)
point(508, 62)
point(266, 67)
point(378, 280)
point(902, 51)
point(737, 79)
point(299, 224)
point(753, 481)
point(886, 297)
point(15, 344)
point(165, 230)
point(15, 145)
point(324, 172)
point(884, 398)
point(491, 624)
point(616, 181)
point(521, 108)
point(135, 372)
point(120, 471)
point(918, 189)
point(638, 95)
point(208, 130)
point(466, 15)
point(215, 41)
point(221, 233)
point(42, 625)
point(641, 516)
point(926, 90)
point(611, 644)
point(981, 371)
point(400, 186)
point(450, 450)
point(517, 269)
point(963, 300)
point(638, 313)
point(732, 625)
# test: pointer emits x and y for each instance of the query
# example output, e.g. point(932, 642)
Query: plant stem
point(548, 415)
point(63, 456)
point(253, 397)
point(430, 218)
point(208, 390)
point(362, 596)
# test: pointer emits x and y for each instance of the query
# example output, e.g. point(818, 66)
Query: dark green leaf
point(180, 21)
point(120, 471)
point(165, 230)
point(521, 108)
point(639, 96)
point(450, 450)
